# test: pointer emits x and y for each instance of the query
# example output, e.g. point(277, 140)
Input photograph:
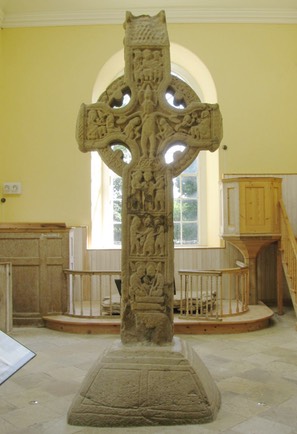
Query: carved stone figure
point(157, 286)
point(159, 236)
point(159, 200)
point(135, 234)
point(137, 287)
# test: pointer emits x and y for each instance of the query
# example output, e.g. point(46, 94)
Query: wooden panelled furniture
point(5, 297)
point(251, 218)
point(38, 253)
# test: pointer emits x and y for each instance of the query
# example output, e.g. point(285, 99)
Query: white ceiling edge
point(183, 15)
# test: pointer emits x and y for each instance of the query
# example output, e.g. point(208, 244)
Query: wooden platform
point(257, 318)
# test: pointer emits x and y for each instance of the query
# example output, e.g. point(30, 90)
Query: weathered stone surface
point(148, 126)
point(135, 385)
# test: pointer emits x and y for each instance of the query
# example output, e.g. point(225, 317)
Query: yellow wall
point(1, 107)
point(255, 71)
point(50, 71)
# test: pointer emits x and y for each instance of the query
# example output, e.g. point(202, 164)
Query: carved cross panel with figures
point(134, 112)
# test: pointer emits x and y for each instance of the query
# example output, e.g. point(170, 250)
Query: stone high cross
point(134, 385)
point(148, 126)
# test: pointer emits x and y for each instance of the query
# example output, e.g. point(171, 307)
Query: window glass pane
point(117, 211)
point(176, 210)
point(117, 233)
point(193, 168)
point(189, 186)
point(116, 187)
point(176, 187)
point(189, 210)
point(177, 233)
point(190, 233)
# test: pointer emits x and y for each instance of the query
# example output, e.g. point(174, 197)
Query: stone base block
point(145, 385)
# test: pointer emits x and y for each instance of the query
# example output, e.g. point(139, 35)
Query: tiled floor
point(255, 372)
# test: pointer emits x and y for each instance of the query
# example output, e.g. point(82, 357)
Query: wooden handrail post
point(279, 280)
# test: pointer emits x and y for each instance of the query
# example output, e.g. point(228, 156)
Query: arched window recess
point(196, 190)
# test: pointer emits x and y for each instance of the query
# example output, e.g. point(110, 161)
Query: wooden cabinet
point(38, 253)
point(250, 206)
point(251, 219)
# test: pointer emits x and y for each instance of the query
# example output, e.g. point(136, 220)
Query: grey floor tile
point(255, 372)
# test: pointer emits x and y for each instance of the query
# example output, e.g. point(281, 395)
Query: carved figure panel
point(147, 189)
point(147, 235)
point(147, 286)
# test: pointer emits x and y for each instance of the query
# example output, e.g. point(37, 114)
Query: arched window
point(196, 190)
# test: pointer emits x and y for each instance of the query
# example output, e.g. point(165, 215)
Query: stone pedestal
point(139, 385)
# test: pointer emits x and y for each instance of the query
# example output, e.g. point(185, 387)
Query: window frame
point(196, 74)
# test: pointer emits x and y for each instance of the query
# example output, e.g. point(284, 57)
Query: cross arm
point(198, 127)
point(99, 126)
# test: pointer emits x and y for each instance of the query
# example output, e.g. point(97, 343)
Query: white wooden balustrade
point(93, 294)
point(213, 294)
point(200, 294)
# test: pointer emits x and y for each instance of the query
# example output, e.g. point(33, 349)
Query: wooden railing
point(202, 294)
point(213, 294)
point(289, 254)
point(5, 297)
point(93, 294)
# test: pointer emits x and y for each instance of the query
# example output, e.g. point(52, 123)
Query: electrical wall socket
point(12, 188)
